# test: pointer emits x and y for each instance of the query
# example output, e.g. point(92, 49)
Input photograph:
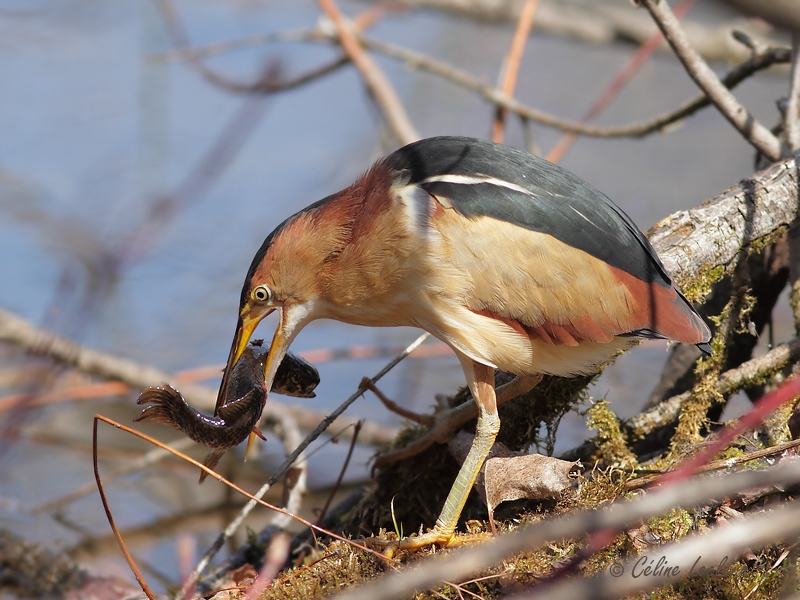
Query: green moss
point(699, 286)
point(612, 445)
point(334, 569)
point(758, 245)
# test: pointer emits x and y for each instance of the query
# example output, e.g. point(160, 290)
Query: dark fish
point(233, 421)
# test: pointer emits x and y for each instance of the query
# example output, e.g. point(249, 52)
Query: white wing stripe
point(475, 180)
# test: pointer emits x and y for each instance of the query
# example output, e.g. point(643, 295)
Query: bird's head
point(287, 275)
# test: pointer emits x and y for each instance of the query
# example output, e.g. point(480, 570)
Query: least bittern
point(515, 263)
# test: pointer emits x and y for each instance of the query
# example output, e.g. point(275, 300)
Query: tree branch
point(622, 514)
point(697, 68)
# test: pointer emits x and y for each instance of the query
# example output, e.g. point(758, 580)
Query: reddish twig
point(512, 63)
point(377, 82)
point(221, 479)
point(110, 516)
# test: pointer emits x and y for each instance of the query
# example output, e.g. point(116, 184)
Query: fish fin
point(232, 411)
point(210, 461)
point(259, 433)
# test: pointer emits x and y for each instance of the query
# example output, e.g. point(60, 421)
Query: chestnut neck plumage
point(348, 254)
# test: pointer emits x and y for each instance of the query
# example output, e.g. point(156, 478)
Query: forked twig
point(697, 68)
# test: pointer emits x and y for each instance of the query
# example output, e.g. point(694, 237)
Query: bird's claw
point(389, 547)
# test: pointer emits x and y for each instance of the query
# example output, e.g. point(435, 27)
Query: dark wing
point(485, 179)
point(482, 179)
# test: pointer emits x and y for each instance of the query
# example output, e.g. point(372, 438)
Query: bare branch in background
point(22, 333)
point(759, 60)
point(697, 68)
point(762, 57)
point(597, 22)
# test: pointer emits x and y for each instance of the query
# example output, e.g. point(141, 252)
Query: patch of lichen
point(599, 488)
point(777, 424)
point(758, 245)
point(693, 420)
point(611, 444)
point(672, 526)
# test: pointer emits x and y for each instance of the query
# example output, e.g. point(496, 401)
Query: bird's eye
point(262, 294)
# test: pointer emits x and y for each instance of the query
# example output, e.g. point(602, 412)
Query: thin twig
point(512, 63)
point(392, 406)
point(792, 116)
point(697, 68)
point(324, 424)
point(759, 61)
point(762, 58)
point(342, 471)
point(230, 484)
point(716, 465)
point(110, 516)
point(377, 82)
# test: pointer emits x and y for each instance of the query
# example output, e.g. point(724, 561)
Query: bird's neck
point(362, 277)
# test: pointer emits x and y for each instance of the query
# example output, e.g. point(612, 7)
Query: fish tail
point(165, 405)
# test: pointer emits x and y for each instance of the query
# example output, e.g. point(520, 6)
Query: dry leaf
point(508, 475)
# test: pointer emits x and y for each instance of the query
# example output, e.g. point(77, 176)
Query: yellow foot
point(434, 537)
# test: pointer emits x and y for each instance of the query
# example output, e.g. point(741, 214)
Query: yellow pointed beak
point(244, 331)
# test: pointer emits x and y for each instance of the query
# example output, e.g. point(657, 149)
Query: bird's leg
point(482, 386)
point(445, 423)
